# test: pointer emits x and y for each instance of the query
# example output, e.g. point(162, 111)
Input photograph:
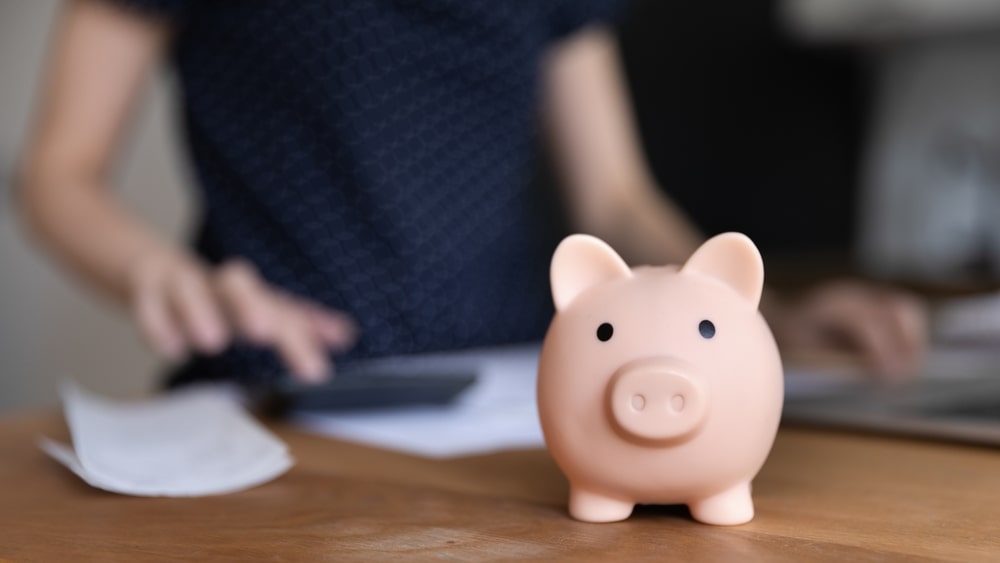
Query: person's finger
point(337, 330)
point(247, 301)
point(851, 316)
point(863, 330)
point(193, 302)
point(878, 338)
point(152, 313)
point(334, 328)
point(888, 325)
point(298, 343)
point(267, 316)
point(895, 331)
point(910, 320)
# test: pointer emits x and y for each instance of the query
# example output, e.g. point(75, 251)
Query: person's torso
point(375, 156)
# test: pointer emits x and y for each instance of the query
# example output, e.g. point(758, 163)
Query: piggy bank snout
point(658, 401)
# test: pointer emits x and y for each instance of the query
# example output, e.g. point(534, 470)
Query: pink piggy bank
point(659, 385)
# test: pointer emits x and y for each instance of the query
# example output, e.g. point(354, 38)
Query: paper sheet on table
point(498, 412)
point(191, 443)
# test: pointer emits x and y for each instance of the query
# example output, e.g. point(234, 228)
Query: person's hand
point(182, 305)
point(883, 329)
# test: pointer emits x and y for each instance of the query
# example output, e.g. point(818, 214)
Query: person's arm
point(611, 193)
point(101, 59)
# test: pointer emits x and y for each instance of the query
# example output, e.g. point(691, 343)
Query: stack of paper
point(192, 443)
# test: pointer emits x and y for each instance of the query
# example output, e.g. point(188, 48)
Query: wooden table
point(821, 496)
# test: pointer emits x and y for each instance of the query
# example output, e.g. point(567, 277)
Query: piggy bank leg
point(728, 508)
point(593, 507)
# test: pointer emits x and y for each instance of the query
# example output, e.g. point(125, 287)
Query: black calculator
point(361, 388)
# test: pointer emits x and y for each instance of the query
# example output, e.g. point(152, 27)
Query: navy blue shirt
point(375, 156)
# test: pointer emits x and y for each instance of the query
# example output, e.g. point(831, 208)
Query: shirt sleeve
point(568, 16)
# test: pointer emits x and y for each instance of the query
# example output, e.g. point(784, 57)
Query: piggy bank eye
point(605, 331)
point(706, 328)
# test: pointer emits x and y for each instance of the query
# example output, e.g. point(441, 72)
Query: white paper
point(191, 443)
point(498, 412)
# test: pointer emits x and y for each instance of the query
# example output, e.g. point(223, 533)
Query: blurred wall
point(51, 327)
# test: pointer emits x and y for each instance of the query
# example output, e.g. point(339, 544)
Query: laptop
point(956, 397)
point(965, 409)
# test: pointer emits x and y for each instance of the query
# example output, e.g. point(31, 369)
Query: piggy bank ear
point(732, 259)
point(579, 262)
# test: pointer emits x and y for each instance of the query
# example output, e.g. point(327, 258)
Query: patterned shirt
point(375, 156)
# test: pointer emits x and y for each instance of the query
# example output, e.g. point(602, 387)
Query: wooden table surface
point(822, 496)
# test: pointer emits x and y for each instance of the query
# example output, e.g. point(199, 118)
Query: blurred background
point(862, 134)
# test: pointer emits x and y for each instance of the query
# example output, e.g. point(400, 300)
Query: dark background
point(745, 128)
